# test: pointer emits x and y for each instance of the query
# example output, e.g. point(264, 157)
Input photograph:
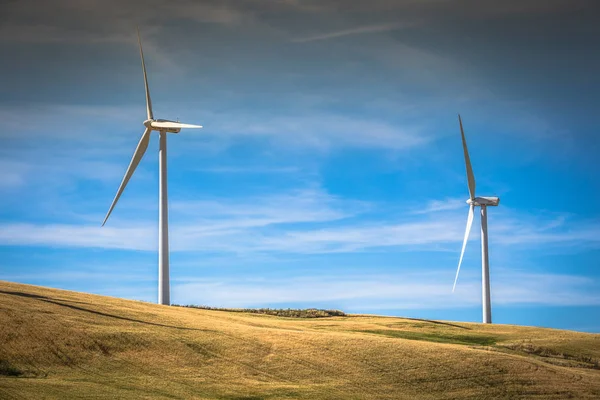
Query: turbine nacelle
point(484, 201)
point(163, 125)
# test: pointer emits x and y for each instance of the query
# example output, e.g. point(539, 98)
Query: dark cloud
point(538, 58)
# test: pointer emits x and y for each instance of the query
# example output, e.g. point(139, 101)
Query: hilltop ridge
point(61, 344)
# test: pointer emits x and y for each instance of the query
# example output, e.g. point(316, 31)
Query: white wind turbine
point(483, 202)
point(162, 126)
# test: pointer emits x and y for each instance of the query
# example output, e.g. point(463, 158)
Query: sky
point(329, 172)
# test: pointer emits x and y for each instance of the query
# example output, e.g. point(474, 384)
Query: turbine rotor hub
point(484, 201)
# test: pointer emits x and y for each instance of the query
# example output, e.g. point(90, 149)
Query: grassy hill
point(60, 344)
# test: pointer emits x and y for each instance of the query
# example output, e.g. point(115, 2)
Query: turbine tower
point(482, 202)
point(162, 126)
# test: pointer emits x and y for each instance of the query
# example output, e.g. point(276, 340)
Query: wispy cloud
point(326, 131)
point(13, 173)
point(136, 237)
point(408, 290)
point(302, 222)
point(249, 170)
point(360, 237)
point(72, 122)
point(352, 31)
point(556, 231)
point(220, 224)
point(441, 205)
point(437, 9)
point(307, 205)
point(69, 21)
point(307, 129)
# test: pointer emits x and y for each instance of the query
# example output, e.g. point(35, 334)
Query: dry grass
point(59, 344)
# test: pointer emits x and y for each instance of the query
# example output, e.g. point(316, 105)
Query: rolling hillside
point(60, 344)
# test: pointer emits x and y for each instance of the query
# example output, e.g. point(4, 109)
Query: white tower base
point(485, 269)
point(164, 295)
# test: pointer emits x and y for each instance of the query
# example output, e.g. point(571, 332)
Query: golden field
point(60, 344)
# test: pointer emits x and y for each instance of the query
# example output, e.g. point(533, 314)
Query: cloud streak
point(250, 170)
point(308, 221)
point(351, 32)
point(326, 131)
point(307, 130)
point(408, 291)
point(441, 205)
point(110, 21)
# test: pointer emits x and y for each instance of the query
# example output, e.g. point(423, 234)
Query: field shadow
point(438, 323)
point(39, 297)
point(78, 308)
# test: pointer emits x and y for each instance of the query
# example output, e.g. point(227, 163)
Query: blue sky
point(330, 170)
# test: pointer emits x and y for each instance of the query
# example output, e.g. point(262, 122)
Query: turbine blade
point(174, 125)
point(470, 176)
point(148, 100)
point(462, 252)
point(135, 160)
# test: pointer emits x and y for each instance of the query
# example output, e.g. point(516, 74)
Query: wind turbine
point(162, 126)
point(482, 202)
